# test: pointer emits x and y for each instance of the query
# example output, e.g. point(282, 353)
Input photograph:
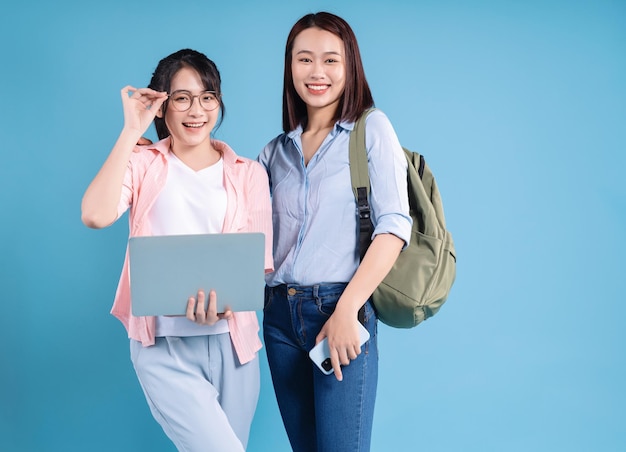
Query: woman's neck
point(196, 157)
point(320, 119)
point(319, 124)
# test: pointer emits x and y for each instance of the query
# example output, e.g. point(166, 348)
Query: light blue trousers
point(198, 392)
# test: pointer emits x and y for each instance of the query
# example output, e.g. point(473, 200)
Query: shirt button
point(291, 291)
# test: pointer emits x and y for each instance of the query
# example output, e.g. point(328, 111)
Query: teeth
point(193, 125)
point(317, 87)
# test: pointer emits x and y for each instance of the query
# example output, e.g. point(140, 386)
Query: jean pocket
point(370, 321)
point(326, 304)
point(369, 313)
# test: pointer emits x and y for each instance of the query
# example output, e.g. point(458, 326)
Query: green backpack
point(420, 280)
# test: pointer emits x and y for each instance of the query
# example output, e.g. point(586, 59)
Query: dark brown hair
point(356, 96)
point(167, 69)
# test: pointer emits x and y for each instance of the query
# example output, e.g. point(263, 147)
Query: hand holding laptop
point(196, 311)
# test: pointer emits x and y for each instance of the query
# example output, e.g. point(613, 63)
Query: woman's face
point(192, 127)
point(318, 68)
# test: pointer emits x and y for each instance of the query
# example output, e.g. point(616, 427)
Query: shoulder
point(378, 120)
point(146, 154)
point(378, 129)
point(237, 163)
point(228, 154)
point(275, 145)
point(279, 141)
point(249, 165)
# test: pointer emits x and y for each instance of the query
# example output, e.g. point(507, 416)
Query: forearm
point(100, 201)
point(380, 257)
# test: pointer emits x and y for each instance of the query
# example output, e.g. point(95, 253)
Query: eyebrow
point(329, 52)
point(191, 92)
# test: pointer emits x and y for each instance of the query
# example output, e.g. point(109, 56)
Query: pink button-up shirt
point(248, 210)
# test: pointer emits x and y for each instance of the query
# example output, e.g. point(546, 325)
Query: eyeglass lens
point(182, 100)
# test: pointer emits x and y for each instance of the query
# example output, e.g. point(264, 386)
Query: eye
point(304, 60)
point(180, 96)
point(208, 97)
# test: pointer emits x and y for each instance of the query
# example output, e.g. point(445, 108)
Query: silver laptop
point(166, 270)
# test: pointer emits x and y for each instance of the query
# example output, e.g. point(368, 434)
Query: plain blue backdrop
point(520, 109)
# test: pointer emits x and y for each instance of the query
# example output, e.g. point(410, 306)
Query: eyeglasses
point(182, 100)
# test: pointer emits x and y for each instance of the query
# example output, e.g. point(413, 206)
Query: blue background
point(520, 109)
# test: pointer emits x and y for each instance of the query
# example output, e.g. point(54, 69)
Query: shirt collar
point(162, 146)
point(346, 125)
point(228, 154)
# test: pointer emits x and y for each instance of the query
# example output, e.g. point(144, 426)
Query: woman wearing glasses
point(199, 373)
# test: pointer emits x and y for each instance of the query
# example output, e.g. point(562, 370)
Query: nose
point(317, 69)
point(195, 107)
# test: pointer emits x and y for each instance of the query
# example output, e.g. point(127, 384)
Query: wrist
point(131, 133)
point(348, 308)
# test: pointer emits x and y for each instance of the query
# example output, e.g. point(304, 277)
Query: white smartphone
point(320, 354)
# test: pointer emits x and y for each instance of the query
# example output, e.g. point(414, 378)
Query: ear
point(159, 113)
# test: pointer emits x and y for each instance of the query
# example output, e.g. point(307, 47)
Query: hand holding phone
point(320, 354)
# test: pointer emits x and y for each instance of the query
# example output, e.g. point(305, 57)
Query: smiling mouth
point(317, 87)
point(193, 125)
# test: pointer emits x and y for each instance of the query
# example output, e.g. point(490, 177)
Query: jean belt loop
point(316, 290)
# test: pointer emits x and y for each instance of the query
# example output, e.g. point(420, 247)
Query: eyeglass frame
point(214, 93)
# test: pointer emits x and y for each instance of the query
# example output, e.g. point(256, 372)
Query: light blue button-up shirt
point(314, 210)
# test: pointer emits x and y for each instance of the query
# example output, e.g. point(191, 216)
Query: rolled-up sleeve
point(388, 178)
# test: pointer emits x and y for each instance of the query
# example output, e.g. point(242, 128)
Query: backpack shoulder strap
point(358, 156)
point(359, 173)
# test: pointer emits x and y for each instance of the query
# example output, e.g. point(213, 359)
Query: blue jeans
point(319, 412)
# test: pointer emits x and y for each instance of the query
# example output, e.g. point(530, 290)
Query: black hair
point(356, 97)
point(170, 65)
